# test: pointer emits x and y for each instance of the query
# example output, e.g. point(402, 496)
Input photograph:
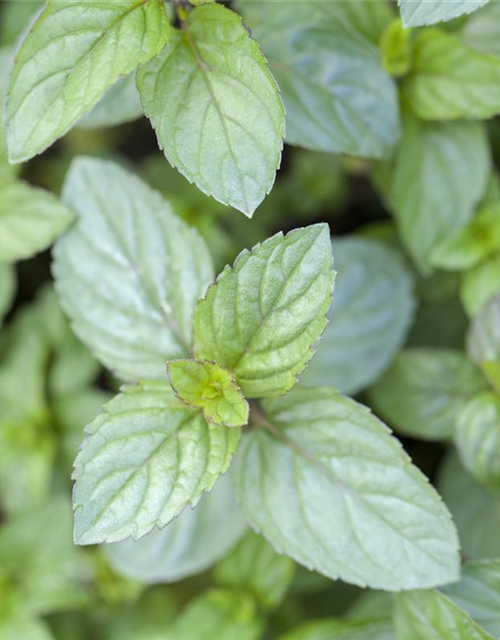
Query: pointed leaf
point(263, 315)
point(145, 458)
point(216, 108)
point(327, 484)
point(129, 272)
point(74, 52)
point(417, 13)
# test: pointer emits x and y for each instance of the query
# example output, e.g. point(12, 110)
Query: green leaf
point(145, 458)
point(342, 630)
point(396, 48)
point(255, 567)
point(216, 108)
point(30, 220)
point(483, 341)
point(369, 318)
point(326, 484)
point(480, 31)
point(7, 171)
point(38, 555)
point(424, 391)
point(417, 13)
point(336, 94)
point(132, 304)
point(75, 51)
point(7, 289)
point(120, 104)
point(478, 240)
point(263, 315)
point(430, 157)
point(449, 80)
point(479, 284)
point(431, 615)
point(211, 388)
point(190, 544)
point(477, 438)
point(475, 511)
point(25, 628)
point(217, 615)
point(478, 593)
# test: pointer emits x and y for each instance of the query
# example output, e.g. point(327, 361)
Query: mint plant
point(277, 425)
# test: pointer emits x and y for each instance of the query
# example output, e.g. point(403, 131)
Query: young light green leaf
point(74, 52)
point(327, 484)
point(342, 630)
point(120, 104)
point(430, 157)
point(450, 81)
point(478, 593)
point(168, 456)
point(471, 505)
point(483, 341)
point(30, 220)
point(369, 318)
point(431, 615)
point(255, 567)
point(211, 388)
point(424, 391)
point(480, 31)
point(337, 96)
point(479, 284)
point(190, 544)
point(263, 315)
point(477, 437)
point(396, 48)
point(479, 239)
point(218, 614)
point(417, 13)
point(216, 108)
point(144, 271)
point(7, 289)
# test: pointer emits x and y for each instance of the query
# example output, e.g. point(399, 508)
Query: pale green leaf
point(417, 13)
point(120, 104)
point(327, 484)
point(217, 615)
point(477, 437)
point(74, 52)
point(479, 239)
point(255, 567)
point(449, 81)
point(342, 630)
point(478, 593)
point(370, 315)
point(129, 272)
point(479, 284)
point(211, 388)
point(396, 49)
point(480, 31)
point(7, 289)
point(483, 340)
point(336, 94)
point(144, 460)
point(424, 391)
point(431, 615)
point(475, 511)
point(190, 544)
point(216, 108)
point(431, 159)
point(30, 220)
point(7, 170)
point(263, 315)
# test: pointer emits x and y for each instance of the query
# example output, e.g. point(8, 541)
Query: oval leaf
point(129, 272)
point(326, 484)
point(216, 108)
point(263, 315)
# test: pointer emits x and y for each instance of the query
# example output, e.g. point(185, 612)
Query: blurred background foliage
point(51, 386)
